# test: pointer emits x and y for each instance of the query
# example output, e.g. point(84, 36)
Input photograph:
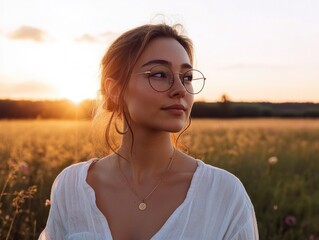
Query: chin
point(175, 129)
point(173, 126)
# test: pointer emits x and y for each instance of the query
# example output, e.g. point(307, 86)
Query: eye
point(188, 77)
point(158, 75)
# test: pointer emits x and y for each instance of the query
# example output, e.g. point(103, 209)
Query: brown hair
point(118, 63)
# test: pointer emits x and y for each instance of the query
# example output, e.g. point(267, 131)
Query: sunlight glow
point(252, 50)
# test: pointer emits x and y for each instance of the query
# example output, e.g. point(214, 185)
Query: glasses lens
point(160, 78)
point(194, 81)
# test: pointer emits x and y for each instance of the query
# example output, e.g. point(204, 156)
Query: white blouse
point(216, 207)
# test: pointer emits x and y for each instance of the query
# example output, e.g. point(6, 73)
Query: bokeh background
point(250, 50)
point(257, 116)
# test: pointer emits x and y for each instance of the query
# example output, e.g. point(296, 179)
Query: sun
point(78, 91)
point(75, 99)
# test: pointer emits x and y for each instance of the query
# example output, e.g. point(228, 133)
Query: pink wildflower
point(290, 221)
point(273, 160)
point(24, 168)
point(47, 202)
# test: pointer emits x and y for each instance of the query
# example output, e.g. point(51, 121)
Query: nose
point(178, 88)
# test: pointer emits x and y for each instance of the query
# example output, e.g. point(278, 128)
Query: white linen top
point(216, 207)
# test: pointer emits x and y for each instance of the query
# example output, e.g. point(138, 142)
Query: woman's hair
point(118, 63)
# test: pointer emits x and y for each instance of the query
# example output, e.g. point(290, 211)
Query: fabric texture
point(216, 207)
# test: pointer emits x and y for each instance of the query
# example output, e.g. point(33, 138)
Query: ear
point(112, 89)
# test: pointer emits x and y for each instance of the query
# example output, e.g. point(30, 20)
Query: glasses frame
point(181, 75)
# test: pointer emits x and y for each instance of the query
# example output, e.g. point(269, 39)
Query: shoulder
point(76, 167)
point(218, 175)
point(225, 185)
point(228, 200)
point(72, 171)
point(70, 177)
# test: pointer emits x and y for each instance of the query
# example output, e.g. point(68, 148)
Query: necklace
point(142, 205)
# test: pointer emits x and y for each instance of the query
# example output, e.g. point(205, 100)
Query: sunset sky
point(251, 50)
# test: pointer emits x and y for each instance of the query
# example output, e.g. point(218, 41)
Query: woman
point(147, 189)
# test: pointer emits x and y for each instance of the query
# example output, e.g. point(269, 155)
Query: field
point(277, 161)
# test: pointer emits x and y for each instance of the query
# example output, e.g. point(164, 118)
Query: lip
point(175, 107)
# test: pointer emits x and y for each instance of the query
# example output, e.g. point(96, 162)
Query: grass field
point(277, 161)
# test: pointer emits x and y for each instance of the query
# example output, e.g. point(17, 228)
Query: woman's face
point(160, 111)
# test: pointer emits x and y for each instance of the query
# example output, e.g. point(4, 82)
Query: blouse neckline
point(189, 196)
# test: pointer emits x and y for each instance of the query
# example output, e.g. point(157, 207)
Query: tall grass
point(277, 161)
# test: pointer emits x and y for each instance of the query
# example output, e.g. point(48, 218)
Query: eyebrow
point(164, 62)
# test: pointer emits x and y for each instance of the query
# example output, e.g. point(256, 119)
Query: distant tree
point(225, 105)
point(225, 99)
point(224, 108)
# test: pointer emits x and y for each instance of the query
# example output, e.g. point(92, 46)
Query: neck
point(148, 158)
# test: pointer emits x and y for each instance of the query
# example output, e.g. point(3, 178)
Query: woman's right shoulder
point(71, 175)
point(75, 168)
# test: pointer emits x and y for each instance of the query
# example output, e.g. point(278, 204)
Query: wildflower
point(290, 221)
point(24, 168)
point(313, 237)
point(47, 202)
point(272, 160)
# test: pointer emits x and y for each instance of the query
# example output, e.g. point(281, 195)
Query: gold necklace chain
point(142, 206)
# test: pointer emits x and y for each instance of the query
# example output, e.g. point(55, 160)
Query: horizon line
point(199, 100)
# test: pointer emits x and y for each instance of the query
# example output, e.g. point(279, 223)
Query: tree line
point(64, 109)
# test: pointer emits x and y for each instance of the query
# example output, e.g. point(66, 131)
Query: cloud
point(26, 89)
point(107, 36)
point(86, 38)
point(28, 33)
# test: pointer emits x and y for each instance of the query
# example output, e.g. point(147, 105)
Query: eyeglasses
point(161, 79)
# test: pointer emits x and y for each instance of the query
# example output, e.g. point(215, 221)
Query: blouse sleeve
point(55, 227)
point(249, 230)
point(242, 224)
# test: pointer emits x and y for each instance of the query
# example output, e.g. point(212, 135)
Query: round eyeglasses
point(161, 79)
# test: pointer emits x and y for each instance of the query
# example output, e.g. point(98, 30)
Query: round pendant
point(142, 206)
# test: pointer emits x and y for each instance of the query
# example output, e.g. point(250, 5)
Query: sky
point(250, 50)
